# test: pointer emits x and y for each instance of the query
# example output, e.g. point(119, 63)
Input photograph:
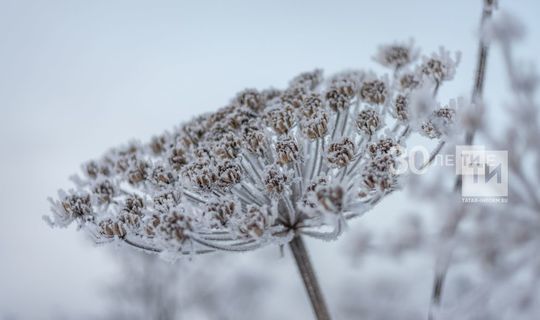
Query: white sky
point(78, 77)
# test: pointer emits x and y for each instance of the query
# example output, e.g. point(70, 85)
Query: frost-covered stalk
point(477, 103)
point(305, 268)
point(270, 166)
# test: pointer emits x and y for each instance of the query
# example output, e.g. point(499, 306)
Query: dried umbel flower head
point(397, 55)
point(270, 165)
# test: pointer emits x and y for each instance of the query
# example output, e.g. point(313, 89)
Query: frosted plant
point(271, 166)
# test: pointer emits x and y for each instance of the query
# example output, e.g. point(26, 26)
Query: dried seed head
point(239, 117)
point(341, 153)
point(374, 92)
point(220, 211)
point(138, 172)
point(409, 81)
point(134, 204)
point(110, 228)
point(440, 66)
point(228, 173)
point(254, 221)
point(251, 99)
point(275, 180)
point(151, 225)
point(93, 169)
point(368, 122)
point(104, 191)
point(293, 97)
point(158, 144)
point(379, 173)
point(316, 126)
point(331, 198)
point(338, 99)
point(228, 146)
point(311, 105)
point(287, 150)
point(438, 123)
point(400, 108)
point(77, 206)
point(166, 200)
point(281, 119)
point(254, 139)
point(161, 176)
point(130, 220)
point(175, 226)
point(384, 146)
point(200, 174)
point(308, 80)
point(396, 55)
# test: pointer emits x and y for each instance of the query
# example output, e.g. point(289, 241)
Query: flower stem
point(310, 280)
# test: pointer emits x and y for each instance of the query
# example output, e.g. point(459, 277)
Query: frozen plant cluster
point(270, 165)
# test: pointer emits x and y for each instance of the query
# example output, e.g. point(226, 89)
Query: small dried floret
point(161, 176)
point(177, 158)
point(311, 105)
point(134, 204)
point(77, 206)
point(379, 173)
point(275, 180)
point(220, 211)
point(201, 174)
point(229, 173)
point(130, 220)
point(158, 144)
point(308, 80)
point(294, 97)
point(341, 153)
point(440, 66)
point(239, 117)
point(254, 139)
point(368, 121)
point(228, 146)
point(250, 98)
point(384, 146)
point(138, 172)
point(281, 119)
point(396, 55)
point(151, 225)
point(287, 150)
point(165, 200)
point(316, 126)
point(338, 99)
point(203, 152)
point(400, 110)
point(255, 221)
point(110, 228)
point(374, 92)
point(330, 197)
point(93, 169)
point(175, 226)
point(438, 123)
point(194, 130)
point(104, 191)
point(271, 93)
point(409, 81)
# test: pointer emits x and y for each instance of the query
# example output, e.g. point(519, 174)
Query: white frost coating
point(269, 165)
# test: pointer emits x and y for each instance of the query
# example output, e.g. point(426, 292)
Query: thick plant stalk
point(442, 270)
point(310, 280)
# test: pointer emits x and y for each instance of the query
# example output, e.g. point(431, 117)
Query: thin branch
point(478, 88)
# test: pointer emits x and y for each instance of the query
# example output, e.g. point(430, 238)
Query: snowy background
point(77, 77)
